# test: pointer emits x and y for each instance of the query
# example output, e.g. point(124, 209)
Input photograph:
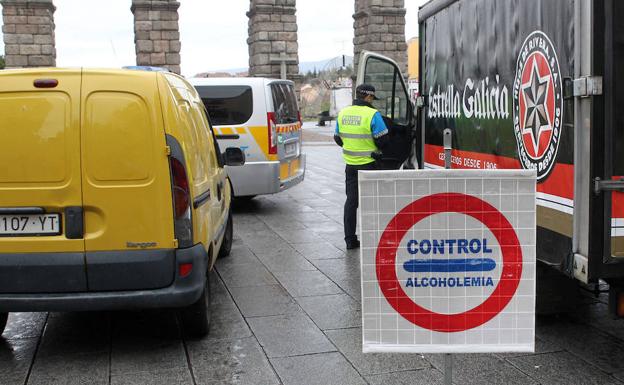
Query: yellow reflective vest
point(354, 128)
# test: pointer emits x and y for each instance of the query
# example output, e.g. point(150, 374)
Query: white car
point(261, 117)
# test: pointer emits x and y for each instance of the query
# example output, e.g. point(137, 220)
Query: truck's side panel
point(499, 85)
point(617, 208)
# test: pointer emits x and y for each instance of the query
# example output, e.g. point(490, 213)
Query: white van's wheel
point(3, 321)
point(226, 244)
point(195, 318)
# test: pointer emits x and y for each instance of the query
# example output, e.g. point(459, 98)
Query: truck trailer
point(531, 84)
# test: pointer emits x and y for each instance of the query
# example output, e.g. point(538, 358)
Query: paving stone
point(240, 254)
point(161, 325)
point(79, 332)
point(604, 351)
point(597, 316)
point(288, 335)
point(146, 355)
point(481, 369)
point(562, 368)
point(70, 369)
point(340, 270)
point(159, 377)
point(226, 322)
point(257, 301)
point(286, 262)
point(323, 250)
point(317, 369)
point(298, 236)
point(349, 343)
point(249, 274)
point(146, 341)
point(541, 347)
point(233, 362)
point(337, 311)
point(15, 359)
point(280, 248)
point(24, 325)
point(218, 292)
point(427, 376)
point(307, 283)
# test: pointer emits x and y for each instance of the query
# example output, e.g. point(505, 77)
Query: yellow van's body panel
point(182, 104)
point(126, 183)
point(39, 166)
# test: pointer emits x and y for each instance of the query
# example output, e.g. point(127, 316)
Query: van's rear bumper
point(182, 292)
point(260, 178)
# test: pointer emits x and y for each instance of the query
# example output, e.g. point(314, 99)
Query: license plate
point(290, 148)
point(30, 224)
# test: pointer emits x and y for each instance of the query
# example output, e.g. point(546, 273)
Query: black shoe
point(353, 245)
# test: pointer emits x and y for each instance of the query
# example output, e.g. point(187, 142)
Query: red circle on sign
point(436, 204)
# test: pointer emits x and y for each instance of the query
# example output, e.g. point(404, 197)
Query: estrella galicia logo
point(537, 104)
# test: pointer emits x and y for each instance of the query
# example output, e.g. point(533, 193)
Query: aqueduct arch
point(379, 25)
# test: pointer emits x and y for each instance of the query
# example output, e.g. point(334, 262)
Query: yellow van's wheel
point(195, 318)
point(3, 321)
point(226, 245)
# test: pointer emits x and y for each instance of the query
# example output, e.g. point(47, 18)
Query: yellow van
point(113, 193)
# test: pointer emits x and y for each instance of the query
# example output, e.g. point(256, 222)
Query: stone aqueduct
point(379, 25)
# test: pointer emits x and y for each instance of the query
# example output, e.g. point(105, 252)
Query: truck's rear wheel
point(3, 321)
point(228, 237)
point(195, 318)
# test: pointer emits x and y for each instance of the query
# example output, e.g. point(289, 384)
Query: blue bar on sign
point(449, 265)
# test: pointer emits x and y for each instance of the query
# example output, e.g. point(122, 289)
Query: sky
point(92, 33)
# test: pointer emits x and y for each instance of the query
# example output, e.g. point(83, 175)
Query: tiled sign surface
point(448, 260)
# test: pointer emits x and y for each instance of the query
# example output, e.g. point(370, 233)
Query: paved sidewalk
point(286, 310)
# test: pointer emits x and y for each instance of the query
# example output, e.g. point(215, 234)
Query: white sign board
point(448, 261)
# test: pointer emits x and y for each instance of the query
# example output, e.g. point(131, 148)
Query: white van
point(261, 117)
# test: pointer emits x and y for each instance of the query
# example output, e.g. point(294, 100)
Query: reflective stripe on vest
point(355, 136)
point(354, 128)
point(357, 153)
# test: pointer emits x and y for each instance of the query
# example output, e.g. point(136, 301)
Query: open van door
point(394, 105)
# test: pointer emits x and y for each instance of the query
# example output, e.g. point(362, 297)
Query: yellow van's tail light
point(181, 198)
point(272, 126)
point(45, 83)
point(185, 269)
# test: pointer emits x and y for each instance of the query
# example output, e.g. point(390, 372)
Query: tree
point(1, 62)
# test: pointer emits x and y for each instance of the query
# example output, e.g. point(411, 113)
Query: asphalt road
point(286, 310)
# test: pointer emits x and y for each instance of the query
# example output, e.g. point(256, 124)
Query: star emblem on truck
point(537, 117)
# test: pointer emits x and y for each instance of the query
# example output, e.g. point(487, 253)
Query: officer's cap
point(364, 90)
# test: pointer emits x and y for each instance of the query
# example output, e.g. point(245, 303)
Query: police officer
point(361, 132)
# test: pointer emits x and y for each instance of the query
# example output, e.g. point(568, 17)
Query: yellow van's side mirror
point(234, 156)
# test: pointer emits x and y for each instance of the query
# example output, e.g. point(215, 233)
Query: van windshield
point(285, 103)
point(227, 105)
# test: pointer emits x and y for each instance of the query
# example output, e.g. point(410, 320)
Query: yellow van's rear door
point(40, 182)
point(126, 184)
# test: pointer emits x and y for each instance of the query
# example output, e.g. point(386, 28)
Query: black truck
point(533, 84)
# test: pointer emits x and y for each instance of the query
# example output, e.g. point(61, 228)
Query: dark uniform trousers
point(351, 204)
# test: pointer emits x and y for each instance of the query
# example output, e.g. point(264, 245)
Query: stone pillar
point(380, 27)
point(157, 34)
point(28, 27)
point(272, 39)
